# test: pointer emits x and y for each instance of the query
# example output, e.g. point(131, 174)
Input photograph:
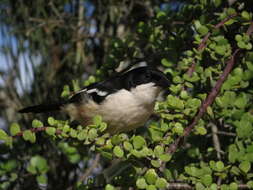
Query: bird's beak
point(161, 79)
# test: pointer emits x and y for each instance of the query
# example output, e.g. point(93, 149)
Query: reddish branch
point(202, 45)
point(185, 186)
point(35, 130)
point(210, 98)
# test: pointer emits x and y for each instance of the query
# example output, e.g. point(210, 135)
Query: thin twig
point(35, 130)
point(216, 141)
point(226, 133)
point(80, 23)
point(185, 186)
point(90, 169)
point(202, 44)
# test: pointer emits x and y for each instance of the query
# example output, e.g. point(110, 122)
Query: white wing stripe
point(100, 93)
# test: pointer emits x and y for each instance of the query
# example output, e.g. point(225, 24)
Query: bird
point(124, 101)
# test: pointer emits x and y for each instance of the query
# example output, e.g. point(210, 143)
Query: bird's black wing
point(98, 91)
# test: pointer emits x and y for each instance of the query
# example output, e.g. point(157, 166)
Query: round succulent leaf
point(151, 187)
point(206, 179)
point(41, 179)
point(151, 176)
point(14, 129)
point(245, 166)
point(50, 131)
point(37, 123)
point(161, 183)
point(138, 142)
point(109, 187)
point(141, 183)
point(117, 151)
point(28, 135)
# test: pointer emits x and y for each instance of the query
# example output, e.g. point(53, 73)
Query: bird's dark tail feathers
point(42, 108)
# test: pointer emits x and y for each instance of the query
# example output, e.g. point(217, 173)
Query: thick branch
point(210, 98)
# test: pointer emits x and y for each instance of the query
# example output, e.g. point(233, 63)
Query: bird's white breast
point(122, 111)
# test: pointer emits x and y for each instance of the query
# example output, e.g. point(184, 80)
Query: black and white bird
point(125, 101)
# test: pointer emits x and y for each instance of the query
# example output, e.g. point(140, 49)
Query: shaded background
point(46, 45)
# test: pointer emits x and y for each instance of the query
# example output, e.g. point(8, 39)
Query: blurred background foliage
point(49, 49)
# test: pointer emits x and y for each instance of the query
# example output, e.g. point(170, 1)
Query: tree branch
point(35, 130)
point(90, 169)
point(202, 45)
point(210, 98)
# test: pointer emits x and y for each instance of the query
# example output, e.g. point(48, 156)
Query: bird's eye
point(148, 76)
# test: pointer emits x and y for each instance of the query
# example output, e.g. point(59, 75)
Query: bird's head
point(145, 75)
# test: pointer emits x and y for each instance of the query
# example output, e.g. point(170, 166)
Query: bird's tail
point(42, 108)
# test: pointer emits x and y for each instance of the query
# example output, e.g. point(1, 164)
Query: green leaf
point(246, 15)
point(31, 169)
point(37, 123)
point(3, 135)
point(184, 94)
point(250, 184)
point(161, 183)
point(201, 130)
point(217, 3)
point(206, 179)
point(238, 37)
point(82, 135)
point(50, 131)
point(224, 187)
point(221, 50)
point(177, 79)
point(51, 121)
point(28, 135)
point(158, 150)
point(233, 186)
point(66, 91)
point(166, 62)
point(15, 129)
point(214, 187)
point(92, 134)
point(219, 166)
point(118, 151)
point(192, 171)
point(203, 30)
point(193, 103)
point(199, 186)
point(141, 183)
point(175, 102)
point(178, 128)
point(165, 157)
point(160, 14)
point(245, 166)
point(244, 129)
point(9, 165)
point(151, 176)
point(151, 187)
point(156, 163)
point(41, 179)
point(241, 44)
point(39, 163)
point(73, 133)
point(109, 187)
point(103, 126)
point(97, 120)
point(138, 142)
point(242, 101)
point(128, 146)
